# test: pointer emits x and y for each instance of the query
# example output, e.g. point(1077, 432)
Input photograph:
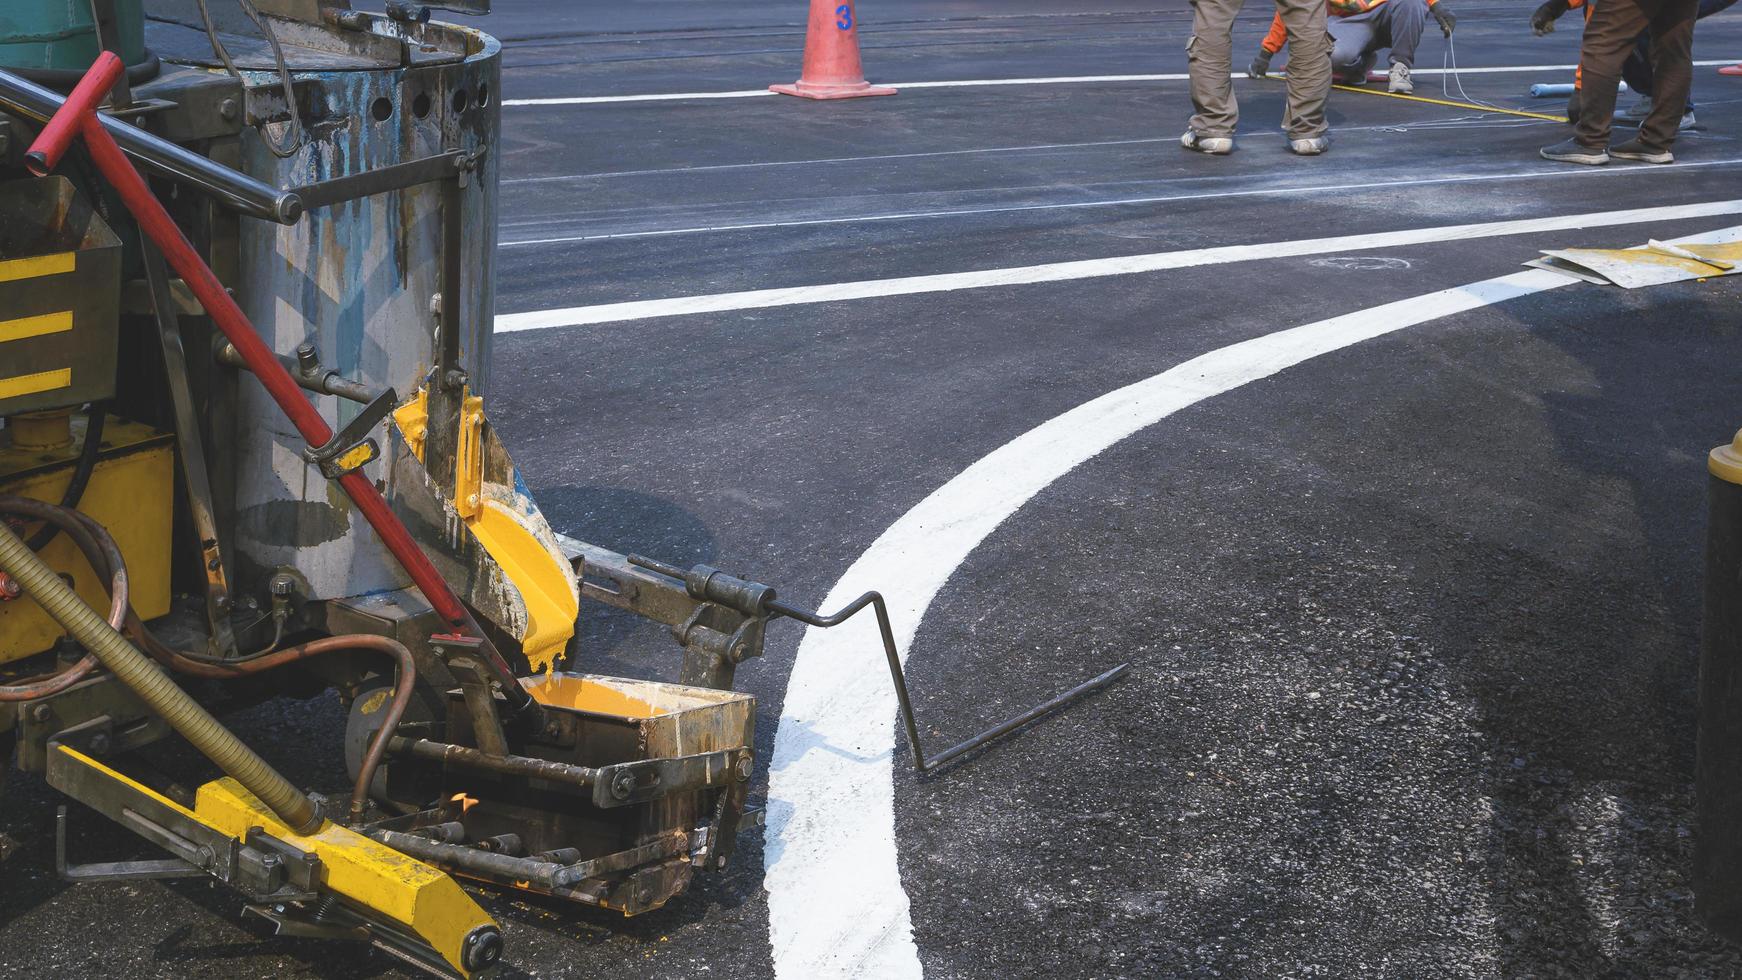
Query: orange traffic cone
point(1731, 70)
point(831, 56)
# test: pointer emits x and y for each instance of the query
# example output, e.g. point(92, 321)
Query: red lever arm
point(57, 134)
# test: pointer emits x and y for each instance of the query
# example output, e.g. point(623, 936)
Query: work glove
point(1542, 21)
point(1260, 66)
point(1444, 17)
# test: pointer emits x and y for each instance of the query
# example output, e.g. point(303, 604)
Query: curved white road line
point(836, 905)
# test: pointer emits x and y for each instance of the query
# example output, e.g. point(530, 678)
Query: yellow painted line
point(35, 326)
point(1454, 103)
point(1451, 102)
point(38, 265)
point(30, 384)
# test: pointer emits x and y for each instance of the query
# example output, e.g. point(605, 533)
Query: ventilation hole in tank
point(381, 109)
point(420, 105)
point(460, 101)
point(483, 94)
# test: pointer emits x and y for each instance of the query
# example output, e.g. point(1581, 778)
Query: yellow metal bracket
point(545, 582)
point(413, 421)
point(469, 458)
point(373, 876)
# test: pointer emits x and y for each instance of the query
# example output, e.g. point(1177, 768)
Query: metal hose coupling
point(154, 687)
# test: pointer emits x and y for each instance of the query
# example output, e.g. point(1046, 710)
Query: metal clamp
point(352, 447)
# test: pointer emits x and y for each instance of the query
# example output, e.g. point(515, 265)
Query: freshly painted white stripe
point(1556, 173)
point(1091, 268)
point(1041, 80)
point(873, 158)
point(748, 93)
point(981, 82)
point(836, 905)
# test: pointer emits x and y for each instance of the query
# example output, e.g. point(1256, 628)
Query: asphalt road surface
point(1413, 623)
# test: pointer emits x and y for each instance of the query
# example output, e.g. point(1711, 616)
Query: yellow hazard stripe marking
point(35, 326)
point(1451, 102)
point(38, 265)
point(30, 384)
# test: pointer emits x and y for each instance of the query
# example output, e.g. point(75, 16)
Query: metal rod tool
point(768, 604)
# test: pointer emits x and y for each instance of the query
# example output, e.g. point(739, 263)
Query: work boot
point(1635, 150)
point(1310, 146)
point(1572, 151)
point(1400, 82)
point(1213, 145)
point(1639, 109)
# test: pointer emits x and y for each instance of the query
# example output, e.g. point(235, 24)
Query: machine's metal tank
point(359, 279)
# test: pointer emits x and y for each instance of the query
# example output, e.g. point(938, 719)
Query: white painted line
point(1556, 173)
point(982, 82)
point(874, 158)
point(1042, 80)
point(836, 905)
point(1092, 268)
point(668, 97)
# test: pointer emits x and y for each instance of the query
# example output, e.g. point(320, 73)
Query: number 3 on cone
point(844, 13)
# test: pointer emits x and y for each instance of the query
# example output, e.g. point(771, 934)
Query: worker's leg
point(1353, 40)
point(1608, 38)
point(1309, 67)
point(1400, 24)
point(1209, 63)
point(1672, 69)
point(1573, 104)
point(1636, 70)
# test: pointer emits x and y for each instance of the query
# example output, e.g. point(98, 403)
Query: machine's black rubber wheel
point(402, 789)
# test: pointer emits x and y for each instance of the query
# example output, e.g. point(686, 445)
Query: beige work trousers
point(1209, 53)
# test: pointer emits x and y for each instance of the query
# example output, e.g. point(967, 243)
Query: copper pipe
point(402, 692)
point(221, 670)
point(102, 554)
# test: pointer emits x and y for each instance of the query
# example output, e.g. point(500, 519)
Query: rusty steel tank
point(356, 284)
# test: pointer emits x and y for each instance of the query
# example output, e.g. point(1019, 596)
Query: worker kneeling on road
point(1209, 56)
point(1363, 28)
point(1610, 36)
